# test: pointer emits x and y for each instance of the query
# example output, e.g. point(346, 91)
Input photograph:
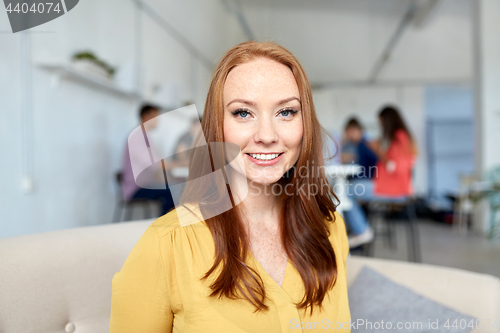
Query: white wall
point(450, 121)
point(488, 99)
point(490, 82)
point(79, 132)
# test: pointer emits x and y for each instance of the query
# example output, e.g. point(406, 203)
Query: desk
point(182, 172)
point(337, 176)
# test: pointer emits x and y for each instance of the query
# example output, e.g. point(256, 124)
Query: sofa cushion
point(379, 304)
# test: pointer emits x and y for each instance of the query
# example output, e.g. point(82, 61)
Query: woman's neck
point(261, 207)
point(256, 202)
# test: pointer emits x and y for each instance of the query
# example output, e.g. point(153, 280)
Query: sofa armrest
point(475, 294)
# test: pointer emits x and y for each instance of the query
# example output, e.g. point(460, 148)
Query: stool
point(383, 205)
point(128, 205)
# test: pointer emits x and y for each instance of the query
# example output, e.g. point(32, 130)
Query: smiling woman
point(275, 257)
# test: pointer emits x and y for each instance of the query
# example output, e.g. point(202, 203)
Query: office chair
point(127, 206)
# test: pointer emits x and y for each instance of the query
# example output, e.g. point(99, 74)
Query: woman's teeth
point(264, 157)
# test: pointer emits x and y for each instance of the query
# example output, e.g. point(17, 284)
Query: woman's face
point(263, 116)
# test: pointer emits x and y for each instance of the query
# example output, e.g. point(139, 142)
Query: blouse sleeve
point(140, 300)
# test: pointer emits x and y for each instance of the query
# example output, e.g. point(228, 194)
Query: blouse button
point(70, 327)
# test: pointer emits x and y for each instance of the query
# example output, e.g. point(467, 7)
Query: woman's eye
point(287, 112)
point(241, 113)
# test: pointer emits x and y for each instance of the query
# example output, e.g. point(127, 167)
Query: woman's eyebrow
point(286, 100)
point(283, 101)
point(241, 101)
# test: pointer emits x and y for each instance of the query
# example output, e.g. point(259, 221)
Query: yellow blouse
point(159, 289)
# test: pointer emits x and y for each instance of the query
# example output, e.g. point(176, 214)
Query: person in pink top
point(396, 151)
point(396, 162)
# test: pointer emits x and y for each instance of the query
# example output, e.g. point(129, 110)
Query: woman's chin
point(261, 181)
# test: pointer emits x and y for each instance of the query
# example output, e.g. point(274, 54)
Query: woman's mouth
point(265, 159)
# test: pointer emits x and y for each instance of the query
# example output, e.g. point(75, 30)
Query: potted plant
point(88, 62)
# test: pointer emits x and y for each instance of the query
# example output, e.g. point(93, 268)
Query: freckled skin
point(266, 247)
point(265, 128)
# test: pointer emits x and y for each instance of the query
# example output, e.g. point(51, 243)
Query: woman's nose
point(266, 132)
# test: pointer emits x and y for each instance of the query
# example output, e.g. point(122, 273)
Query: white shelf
point(67, 72)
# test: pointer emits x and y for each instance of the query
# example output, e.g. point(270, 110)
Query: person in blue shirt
point(356, 149)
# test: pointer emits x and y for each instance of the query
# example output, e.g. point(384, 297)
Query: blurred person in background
point(185, 141)
point(130, 189)
point(392, 180)
point(396, 151)
point(181, 158)
point(356, 148)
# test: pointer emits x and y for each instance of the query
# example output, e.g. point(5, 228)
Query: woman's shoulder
point(178, 218)
point(336, 224)
point(402, 136)
point(339, 220)
point(338, 232)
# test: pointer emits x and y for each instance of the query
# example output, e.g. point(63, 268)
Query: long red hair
point(304, 218)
